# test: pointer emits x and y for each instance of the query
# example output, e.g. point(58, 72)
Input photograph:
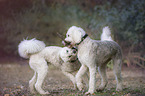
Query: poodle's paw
point(88, 93)
point(32, 91)
point(45, 93)
point(101, 88)
point(75, 88)
point(119, 89)
point(81, 89)
point(80, 86)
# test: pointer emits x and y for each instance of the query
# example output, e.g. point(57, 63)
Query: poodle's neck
point(84, 42)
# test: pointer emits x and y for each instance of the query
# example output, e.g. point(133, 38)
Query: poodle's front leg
point(71, 77)
point(92, 81)
point(79, 76)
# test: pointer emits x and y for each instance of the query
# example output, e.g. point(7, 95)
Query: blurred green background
point(42, 19)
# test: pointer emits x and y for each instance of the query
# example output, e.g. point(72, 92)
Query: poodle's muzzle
point(66, 43)
point(74, 49)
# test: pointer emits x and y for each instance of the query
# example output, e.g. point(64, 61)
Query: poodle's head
point(68, 54)
point(74, 35)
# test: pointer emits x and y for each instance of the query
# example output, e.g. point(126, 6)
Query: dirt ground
point(14, 78)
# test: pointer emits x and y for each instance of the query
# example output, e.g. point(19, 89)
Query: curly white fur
point(39, 55)
point(93, 54)
point(106, 34)
point(32, 46)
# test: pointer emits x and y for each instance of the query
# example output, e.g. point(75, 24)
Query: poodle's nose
point(74, 51)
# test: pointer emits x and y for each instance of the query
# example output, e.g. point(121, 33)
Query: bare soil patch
point(14, 80)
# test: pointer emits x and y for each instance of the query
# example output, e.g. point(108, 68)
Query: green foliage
point(126, 19)
point(110, 65)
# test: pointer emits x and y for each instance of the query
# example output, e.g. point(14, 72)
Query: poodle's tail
point(28, 47)
point(106, 34)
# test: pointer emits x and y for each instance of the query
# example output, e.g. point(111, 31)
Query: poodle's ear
point(78, 34)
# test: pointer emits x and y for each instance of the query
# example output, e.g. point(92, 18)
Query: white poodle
point(94, 54)
point(63, 58)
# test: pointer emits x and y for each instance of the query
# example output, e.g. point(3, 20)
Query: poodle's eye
point(67, 51)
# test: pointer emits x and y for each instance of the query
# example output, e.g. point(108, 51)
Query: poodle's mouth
point(74, 50)
point(67, 43)
point(72, 61)
point(70, 56)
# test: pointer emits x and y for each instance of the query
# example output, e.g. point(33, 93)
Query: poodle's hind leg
point(104, 80)
point(42, 72)
point(32, 82)
point(117, 71)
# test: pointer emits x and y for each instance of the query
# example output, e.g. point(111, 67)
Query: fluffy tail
point(106, 34)
point(28, 47)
